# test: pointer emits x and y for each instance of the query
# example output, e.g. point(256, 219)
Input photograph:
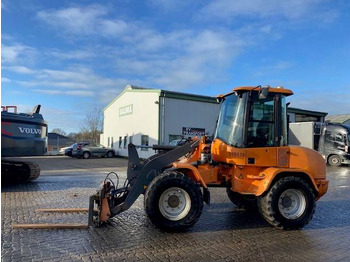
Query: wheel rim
point(335, 160)
point(292, 204)
point(86, 155)
point(174, 203)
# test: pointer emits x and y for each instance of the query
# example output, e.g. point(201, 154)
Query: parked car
point(66, 151)
point(86, 151)
point(178, 142)
point(76, 146)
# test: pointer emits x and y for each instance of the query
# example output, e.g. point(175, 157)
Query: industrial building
point(147, 116)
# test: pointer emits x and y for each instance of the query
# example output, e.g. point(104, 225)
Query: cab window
point(261, 127)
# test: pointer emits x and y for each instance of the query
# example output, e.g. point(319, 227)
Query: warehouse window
point(130, 139)
point(125, 141)
point(120, 142)
point(144, 142)
point(112, 142)
point(108, 142)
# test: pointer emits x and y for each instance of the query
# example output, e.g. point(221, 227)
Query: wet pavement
point(223, 233)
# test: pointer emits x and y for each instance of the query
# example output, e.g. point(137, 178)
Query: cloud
point(171, 5)
point(84, 21)
point(75, 81)
point(70, 54)
point(5, 80)
point(271, 67)
point(73, 19)
point(176, 59)
point(60, 92)
point(19, 69)
point(53, 115)
point(316, 99)
point(183, 59)
point(80, 93)
point(11, 54)
point(48, 91)
point(290, 10)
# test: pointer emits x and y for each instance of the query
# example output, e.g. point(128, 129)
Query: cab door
point(264, 130)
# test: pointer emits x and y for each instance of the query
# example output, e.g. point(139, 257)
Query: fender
point(265, 178)
point(194, 171)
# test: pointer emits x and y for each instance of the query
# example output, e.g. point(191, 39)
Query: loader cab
point(253, 117)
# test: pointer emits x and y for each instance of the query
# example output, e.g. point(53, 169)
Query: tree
point(91, 126)
point(59, 131)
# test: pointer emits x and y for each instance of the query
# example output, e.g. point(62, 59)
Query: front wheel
point(173, 201)
point(334, 160)
point(288, 204)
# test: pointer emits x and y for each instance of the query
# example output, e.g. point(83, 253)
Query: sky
point(76, 56)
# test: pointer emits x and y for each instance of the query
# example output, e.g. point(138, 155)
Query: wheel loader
point(249, 155)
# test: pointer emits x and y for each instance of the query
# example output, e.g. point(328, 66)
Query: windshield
point(230, 123)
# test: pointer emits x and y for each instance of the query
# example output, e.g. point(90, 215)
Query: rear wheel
point(86, 155)
point(173, 201)
point(110, 154)
point(334, 160)
point(288, 204)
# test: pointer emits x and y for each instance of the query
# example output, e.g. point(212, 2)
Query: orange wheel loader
point(249, 156)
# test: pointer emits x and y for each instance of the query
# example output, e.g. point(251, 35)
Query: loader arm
point(139, 175)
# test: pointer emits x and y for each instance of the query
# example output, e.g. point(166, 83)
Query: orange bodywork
point(283, 91)
point(252, 170)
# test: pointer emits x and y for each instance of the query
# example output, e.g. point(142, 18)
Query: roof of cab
point(242, 89)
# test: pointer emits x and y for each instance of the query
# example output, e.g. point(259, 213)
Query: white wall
point(143, 120)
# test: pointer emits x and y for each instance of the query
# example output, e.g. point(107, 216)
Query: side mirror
point(264, 92)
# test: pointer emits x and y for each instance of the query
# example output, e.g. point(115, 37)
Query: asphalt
point(223, 232)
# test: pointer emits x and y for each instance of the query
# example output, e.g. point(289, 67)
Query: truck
point(22, 134)
point(249, 156)
point(332, 141)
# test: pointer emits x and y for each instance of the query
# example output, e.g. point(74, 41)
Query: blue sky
point(74, 56)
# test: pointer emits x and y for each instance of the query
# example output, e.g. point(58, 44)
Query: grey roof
point(340, 119)
point(55, 136)
point(307, 112)
point(178, 95)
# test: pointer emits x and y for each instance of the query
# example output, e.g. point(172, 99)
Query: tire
point(110, 154)
point(249, 203)
point(288, 204)
point(173, 201)
point(86, 155)
point(334, 160)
